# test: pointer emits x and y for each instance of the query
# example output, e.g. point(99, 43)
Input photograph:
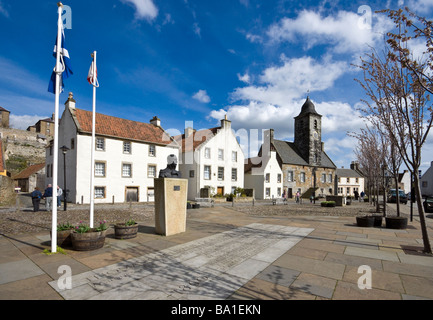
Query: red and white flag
point(92, 77)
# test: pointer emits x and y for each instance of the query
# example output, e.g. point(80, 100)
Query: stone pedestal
point(170, 205)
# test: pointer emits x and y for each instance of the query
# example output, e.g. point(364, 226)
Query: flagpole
point(56, 130)
point(92, 166)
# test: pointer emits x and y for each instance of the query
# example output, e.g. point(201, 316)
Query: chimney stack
point(70, 103)
point(155, 121)
point(225, 124)
point(188, 132)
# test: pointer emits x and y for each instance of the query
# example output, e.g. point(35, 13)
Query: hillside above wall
point(22, 148)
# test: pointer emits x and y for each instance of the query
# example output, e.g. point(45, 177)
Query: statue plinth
point(170, 205)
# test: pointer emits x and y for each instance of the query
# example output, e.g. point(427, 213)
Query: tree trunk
point(426, 241)
point(397, 196)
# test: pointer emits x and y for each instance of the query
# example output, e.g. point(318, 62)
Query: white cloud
point(196, 29)
point(292, 80)
point(144, 9)
point(422, 6)
point(244, 78)
point(341, 31)
point(202, 96)
point(24, 121)
point(3, 11)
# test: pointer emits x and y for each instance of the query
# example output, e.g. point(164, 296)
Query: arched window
point(315, 124)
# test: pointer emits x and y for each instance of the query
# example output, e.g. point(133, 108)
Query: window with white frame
point(99, 169)
point(290, 176)
point(100, 144)
point(330, 177)
point(279, 191)
point(221, 173)
point(151, 171)
point(127, 147)
point(207, 172)
point(220, 154)
point(126, 170)
point(207, 153)
point(99, 192)
point(234, 156)
point(302, 176)
point(268, 192)
point(234, 174)
point(323, 177)
point(152, 151)
point(267, 177)
point(279, 177)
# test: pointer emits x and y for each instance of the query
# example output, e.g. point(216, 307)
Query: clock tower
point(308, 134)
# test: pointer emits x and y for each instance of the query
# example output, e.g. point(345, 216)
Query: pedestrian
point(36, 199)
point(59, 194)
point(297, 196)
point(362, 196)
point(48, 196)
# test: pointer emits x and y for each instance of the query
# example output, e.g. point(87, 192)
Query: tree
point(398, 85)
point(371, 150)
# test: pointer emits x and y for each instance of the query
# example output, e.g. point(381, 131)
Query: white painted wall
point(257, 178)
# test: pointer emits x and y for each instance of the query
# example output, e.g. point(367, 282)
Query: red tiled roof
point(29, 171)
point(121, 128)
point(196, 139)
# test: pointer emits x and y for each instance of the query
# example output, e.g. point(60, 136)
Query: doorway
point(131, 194)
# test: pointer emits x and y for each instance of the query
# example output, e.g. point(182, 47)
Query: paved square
point(209, 268)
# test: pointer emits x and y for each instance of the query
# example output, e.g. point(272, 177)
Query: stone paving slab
point(213, 267)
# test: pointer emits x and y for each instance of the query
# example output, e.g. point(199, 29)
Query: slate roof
point(350, 173)
point(26, 173)
point(308, 107)
point(120, 128)
point(289, 154)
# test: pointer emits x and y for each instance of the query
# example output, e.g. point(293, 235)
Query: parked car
point(392, 196)
point(428, 204)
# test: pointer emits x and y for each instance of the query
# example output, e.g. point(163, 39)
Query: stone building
point(44, 126)
point(4, 118)
point(305, 165)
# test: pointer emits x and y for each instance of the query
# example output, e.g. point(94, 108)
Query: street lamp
point(64, 150)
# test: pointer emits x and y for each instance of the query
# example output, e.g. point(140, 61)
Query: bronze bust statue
point(170, 171)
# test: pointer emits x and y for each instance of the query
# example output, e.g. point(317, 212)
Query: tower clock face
point(315, 135)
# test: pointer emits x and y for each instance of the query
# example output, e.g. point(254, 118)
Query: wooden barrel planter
point(88, 241)
point(122, 231)
point(396, 222)
point(64, 238)
point(377, 220)
point(365, 221)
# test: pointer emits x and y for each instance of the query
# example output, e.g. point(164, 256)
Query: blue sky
point(197, 60)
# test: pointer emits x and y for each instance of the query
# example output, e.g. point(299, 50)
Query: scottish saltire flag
point(65, 64)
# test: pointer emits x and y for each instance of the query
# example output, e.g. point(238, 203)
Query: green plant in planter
point(82, 228)
point(102, 226)
point(130, 222)
point(65, 226)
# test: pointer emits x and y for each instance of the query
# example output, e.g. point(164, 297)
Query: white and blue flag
point(66, 66)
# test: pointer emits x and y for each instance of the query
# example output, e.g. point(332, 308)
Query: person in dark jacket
point(36, 199)
point(48, 196)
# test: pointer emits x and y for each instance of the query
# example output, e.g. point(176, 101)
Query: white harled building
point(211, 159)
point(128, 156)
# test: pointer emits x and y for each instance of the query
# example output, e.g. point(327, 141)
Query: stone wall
point(7, 194)
point(22, 148)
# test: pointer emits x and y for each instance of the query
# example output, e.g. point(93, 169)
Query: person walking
point(48, 196)
point(59, 194)
point(36, 199)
